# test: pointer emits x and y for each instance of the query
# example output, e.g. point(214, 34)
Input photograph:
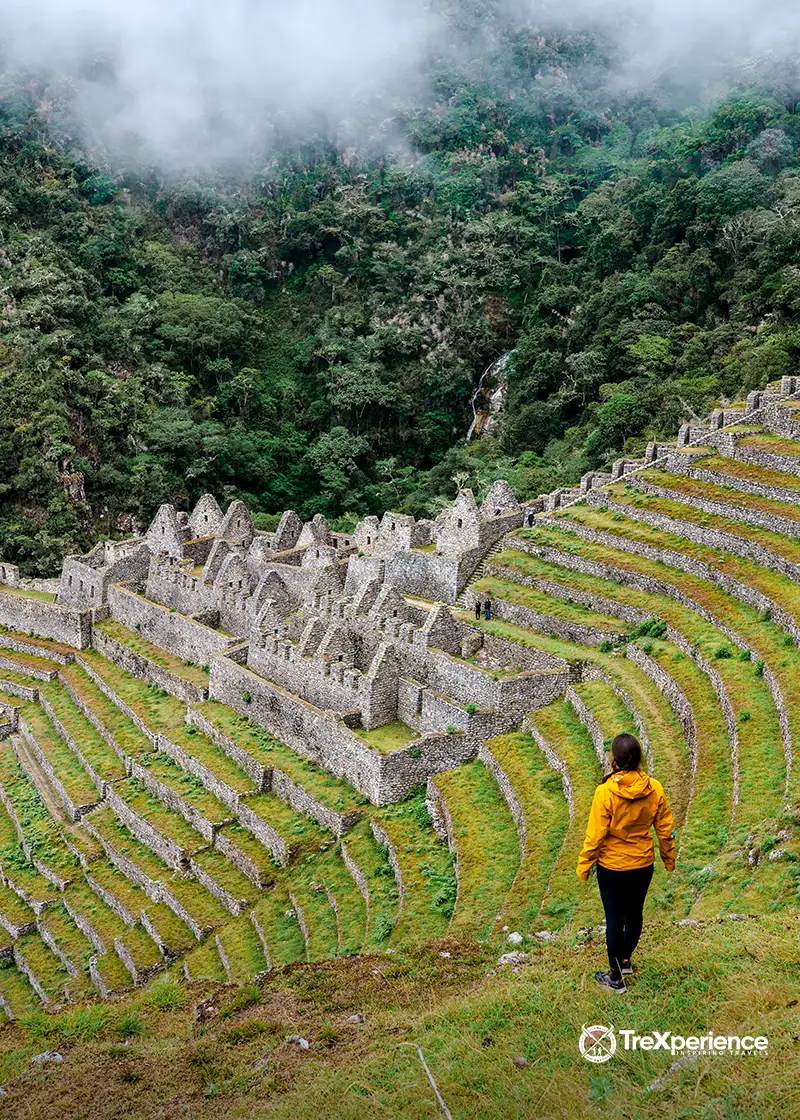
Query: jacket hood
point(630, 784)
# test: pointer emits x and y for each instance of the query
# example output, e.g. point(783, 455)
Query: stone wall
point(221, 790)
point(181, 636)
point(170, 583)
point(709, 538)
point(46, 620)
point(774, 523)
point(326, 740)
point(561, 628)
point(787, 464)
point(146, 669)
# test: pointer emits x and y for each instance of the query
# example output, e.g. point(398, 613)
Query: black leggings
point(623, 894)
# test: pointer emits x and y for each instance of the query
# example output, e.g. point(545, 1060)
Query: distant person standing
point(626, 805)
point(531, 519)
point(487, 610)
point(478, 609)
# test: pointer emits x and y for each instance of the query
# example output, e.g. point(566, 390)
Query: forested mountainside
point(307, 331)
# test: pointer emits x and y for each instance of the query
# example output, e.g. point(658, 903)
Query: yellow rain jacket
point(624, 809)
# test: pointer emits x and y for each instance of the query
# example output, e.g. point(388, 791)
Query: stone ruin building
point(321, 637)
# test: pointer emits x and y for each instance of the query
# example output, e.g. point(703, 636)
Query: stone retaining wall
point(46, 619)
point(146, 669)
point(264, 833)
point(221, 790)
point(761, 519)
point(75, 812)
point(167, 796)
point(173, 632)
point(166, 849)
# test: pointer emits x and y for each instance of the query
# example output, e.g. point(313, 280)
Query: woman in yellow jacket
point(626, 805)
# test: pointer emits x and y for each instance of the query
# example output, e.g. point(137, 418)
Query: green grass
point(281, 930)
point(270, 752)
point(566, 896)
point(133, 640)
point(24, 593)
point(372, 860)
point(101, 757)
point(775, 445)
point(76, 782)
point(42, 835)
point(243, 949)
point(541, 796)
point(722, 465)
point(390, 737)
point(486, 845)
point(497, 587)
point(716, 492)
point(426, 867)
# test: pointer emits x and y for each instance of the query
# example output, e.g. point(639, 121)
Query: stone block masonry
point(138, 665)
point(324, 738)
point(173, 632)
point(46, 620)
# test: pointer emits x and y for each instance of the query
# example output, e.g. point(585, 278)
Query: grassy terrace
point(170, 824)
point(486, 844)
point(735, 468)
point(100, 756)
point(189, 788)
point(765, 441)
point(715, 492)
point(13, 908)
point(46, 966)
point(40, 831)
point(221, 871)
point(390, 737)
point(134, 641)
point(295, 828)
point(499, 588)
point(251, 847)
point(124, 731)
point(201, 748)
point(267, 750)
point(24, 593)
point(372, 860)
point(278, 920)
point(318, 914)
point(762, 765)
point(779, 588)
point(426, 866)
point(244, 951)
point(781, 545)
point(16, 990)
point(565, 895)
point(198, 903)
point(110, 926)
point(607, 708)
point(205, 963)
point(351, 908)
point(541, 796)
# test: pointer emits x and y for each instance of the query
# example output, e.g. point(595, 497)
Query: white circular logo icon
point(597, 1043)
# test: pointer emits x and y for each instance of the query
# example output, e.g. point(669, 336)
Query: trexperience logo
point(599, 1043)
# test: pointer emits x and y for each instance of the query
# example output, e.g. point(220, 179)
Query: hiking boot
point(608, 980)
point(626, 968)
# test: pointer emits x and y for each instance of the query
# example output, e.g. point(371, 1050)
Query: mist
point(182, 82)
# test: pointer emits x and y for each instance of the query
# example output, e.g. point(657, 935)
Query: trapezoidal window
point(369, 540)
point(460, 523)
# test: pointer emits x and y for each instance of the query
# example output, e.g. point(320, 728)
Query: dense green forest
point(306, 329)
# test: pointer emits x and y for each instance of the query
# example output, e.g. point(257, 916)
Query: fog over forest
point(182, 81)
